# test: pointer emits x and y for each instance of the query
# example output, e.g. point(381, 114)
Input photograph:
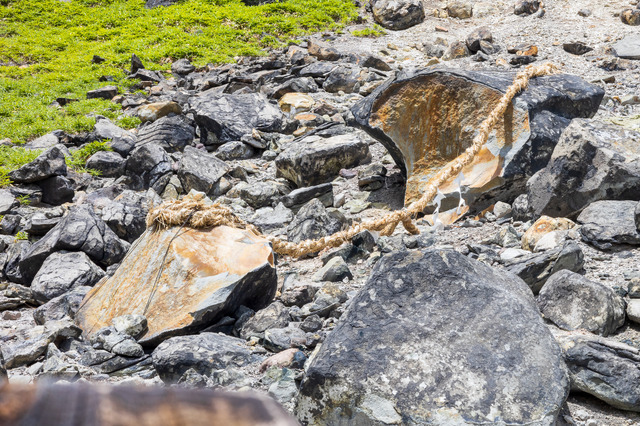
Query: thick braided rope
point(172, 213)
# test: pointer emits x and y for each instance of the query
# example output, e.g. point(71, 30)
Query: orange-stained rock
point(182, 279)
point(154, 111)
point(427, 118)
point(296, 101)
point(543, 226)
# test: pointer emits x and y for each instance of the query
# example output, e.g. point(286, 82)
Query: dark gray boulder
point(106, 92)
point(224, 118)
point(56, 190)
point(606, 224)
point(592, 161)
point(604, 368)
point(182, 67)
point(171, 133)
point(276, 315)
point(148, 166)
point(536, 268)
point(298, 197)
point(80, 230)
point(259, 194)
point(314, 221)
point(235, 151)
point(126, 214)
point(203, 352)
point(60, 307)
point(63, 271)
point(573, 302)
point(448, 105)
point(201, 171)
point(7, 201)
point(49, 163)
point(436, 338)
point(346, 78)
point(314, 160)
point(108, 163)
point(398, 14)
point(296, 85)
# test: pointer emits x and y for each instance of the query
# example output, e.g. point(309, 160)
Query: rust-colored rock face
point(426, 118)
point(182, 278)
point(433, 119)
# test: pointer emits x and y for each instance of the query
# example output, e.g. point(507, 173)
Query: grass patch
point(46, 47)
point(12, 158)
point(371, 32)
point(78, 158)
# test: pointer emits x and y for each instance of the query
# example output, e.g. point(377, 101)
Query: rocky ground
point(286, 143)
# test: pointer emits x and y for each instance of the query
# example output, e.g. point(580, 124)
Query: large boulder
point(81, 230)
point(606, 224)
point(436, 338)
point(224, 118)
point(573, 302)
point(182, 279)
point(148, 166)
point(49, 163)
point(126, 214)
point(314, 160)
point(604, 368)
point(204, 353)
point(398, 14)
point(592, 161)
point(427, 118)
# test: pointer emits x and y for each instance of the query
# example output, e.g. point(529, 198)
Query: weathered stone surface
point(346, 78)
point(475, 344)
point(80, 230)
point(200, 170)
point(121, 141)
point(609, 223)
point(313, 221)
point(108, 163)
point(148, 166)
point(604, 368)
point(314, 160)
point(273, 316)
point(63, 271)
point(573, 302)
point(131, 325)
point(182, 67)
point(448, 105)
point(298, 197)
point(157, 110)
point(628, 47)
point(126, 214)
point(298, 102)
point(592, 161)
point(7, 201)
point(182, 279)
point(61, 306)
point(203, 352)
point(106, 92)
point(542, 227)
point(56, 190)
point(224, 118)
point(49, 163)
point(398, 14)
point(536, 269)
point(136, 405)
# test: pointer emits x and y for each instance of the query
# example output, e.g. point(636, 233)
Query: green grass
point(12, 158)
point(21, 236)
point(46, 47)
point(372, 32)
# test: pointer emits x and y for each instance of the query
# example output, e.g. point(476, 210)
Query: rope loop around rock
point(194, 212)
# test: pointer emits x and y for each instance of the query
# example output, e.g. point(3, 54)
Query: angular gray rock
point(171, 133)
point(259, 194)
point(592, 161)
point(628, 47)
point(604, 368)
point(314, 160)
point(224, 118)
point(475, 345)
point(346, 78)
point(201, 171)
point(108, 163)
point(299, 197)
point(49, 163)
point(398, 14)
point(56, 190)
point(234, 151)
point(573, 302)
point(131, 325)
point(63, 271)
point(7, 201)
point(80, 230)
point(126, 214)
point(204, 353)
point(314, 221)
point(276, 315)
point(609, 223)
point(61, 306)
point(272, 218)
point(531, 132)
point(148, 166)
point(122, 141)
point(536, 268)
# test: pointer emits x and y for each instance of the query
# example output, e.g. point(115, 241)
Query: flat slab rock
point(436, 338)
point(183, 278)
point(606, 224)
point(427, 118)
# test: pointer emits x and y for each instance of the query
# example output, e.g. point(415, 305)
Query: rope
point(198, 214)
